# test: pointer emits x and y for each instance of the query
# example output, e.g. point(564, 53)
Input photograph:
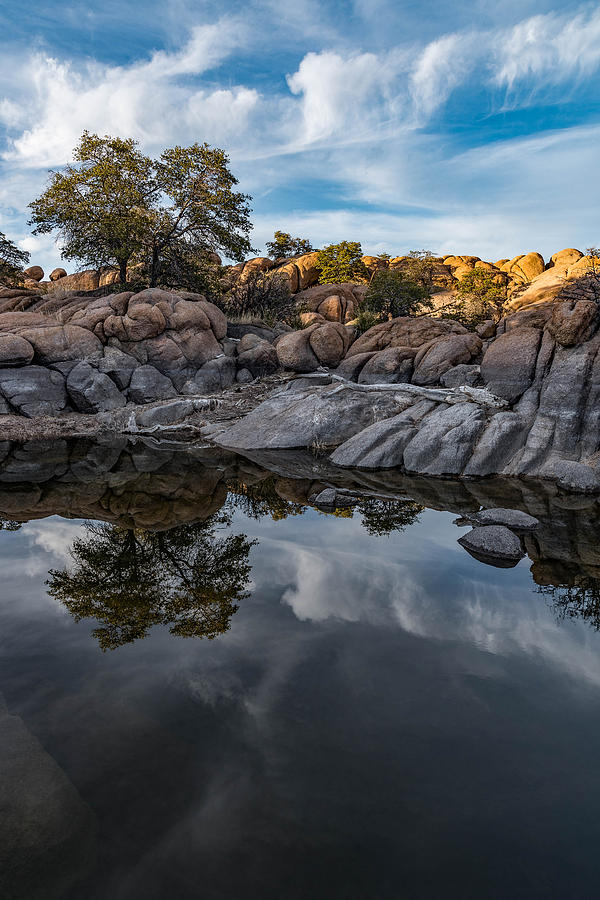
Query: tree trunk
point(123, 271)
point(154, 267)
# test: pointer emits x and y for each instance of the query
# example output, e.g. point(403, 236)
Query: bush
point(341, 262)
point(479, 297)
point(419, 266)
point(391, 292)
point(284, 245)
point(12, 261)
point(365, 319)
point(262, 295)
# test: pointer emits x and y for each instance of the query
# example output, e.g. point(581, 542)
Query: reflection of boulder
point(495, 545)
point(46, 830)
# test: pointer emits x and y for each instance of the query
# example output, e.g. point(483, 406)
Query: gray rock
point(167, 414)
point(444, 443)
point(34, 391)
point(260, 358)
point(381, 446)
point(508, 365)
point(118, 366)
point(244, 376)
point(238, 330)
point(391, 366)
point(215, 375)
point(351, 367)
point(308, 418)
point(91, 391)
point(514, 519)
point(148, 384)
point(493, 544)
point(443, 354)
point(462, 374)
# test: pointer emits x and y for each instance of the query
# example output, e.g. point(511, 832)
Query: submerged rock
point(514, 519)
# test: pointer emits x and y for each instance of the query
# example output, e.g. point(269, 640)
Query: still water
point(217, 691)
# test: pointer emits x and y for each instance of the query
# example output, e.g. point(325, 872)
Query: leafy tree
point(101, 205)
point(392, 293)
point(199, 211)
point(419, 266)
point(12, 261)
point(341, 262)
point(479, 297)
point(284, 245)
point(116, 206)
point(594, 264)
point(263, 295)
point(132, 579)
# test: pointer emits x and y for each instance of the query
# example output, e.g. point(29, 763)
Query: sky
point(467, 127)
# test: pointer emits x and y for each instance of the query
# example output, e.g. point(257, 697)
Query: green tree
point(101, 204)
point(12, 261)
point(131, 580)
point(419, 266)
point(199, 213)
point(284, 245)
point(341, 262)
point(116, 206)
point(479, 297)
point(392, 293)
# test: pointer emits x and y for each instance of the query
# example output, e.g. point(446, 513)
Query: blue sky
point(468, 127)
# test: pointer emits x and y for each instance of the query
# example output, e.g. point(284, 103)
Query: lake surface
point(221, 692)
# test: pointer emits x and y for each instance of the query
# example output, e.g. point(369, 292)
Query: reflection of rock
point(514, 519)
point(494, 544)
point(46, 830)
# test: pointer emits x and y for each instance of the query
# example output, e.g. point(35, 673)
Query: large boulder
point(443, 354)
point(88, 280)
point(321, 344)
point(91, 391)
point(118, 366)
point(215, 375)
point(148, 384)
point(142, 321)
point(58, 343)
point(391, 366)
point(308, 270)
point(257, 355)
point(294, 351)
point(34, 390)
point(14, 351)
point(306, 417)
point(35, 273)
point(573, 322)
point(445, 442)
point(57, 274)
point(509, 363)
point(405, 331)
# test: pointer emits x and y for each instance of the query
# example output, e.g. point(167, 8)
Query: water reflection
point(187, 578)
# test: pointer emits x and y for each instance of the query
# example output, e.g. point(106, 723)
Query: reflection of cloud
point(54, 537)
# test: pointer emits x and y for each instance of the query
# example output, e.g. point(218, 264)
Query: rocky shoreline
point(515, 398)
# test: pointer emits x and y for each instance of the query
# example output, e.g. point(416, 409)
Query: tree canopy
point(131, 580)
point(284, 245)
point(479, 296)
point(341, 262)
point(12, 261)
point(393, 293)
point(116, 206)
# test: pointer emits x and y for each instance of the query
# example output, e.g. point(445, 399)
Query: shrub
point(284, 245)
point(12, 261)
point(391, 292)
point(479, 297)
point(365, 319)
point(262, 295)
point(341, 262)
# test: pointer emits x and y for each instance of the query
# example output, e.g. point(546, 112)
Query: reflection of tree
point(262, 499)
point(578, 600)
point(9, 525)
point(132, 579)
point(381, 517)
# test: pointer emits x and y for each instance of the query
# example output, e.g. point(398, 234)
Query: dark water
point(381, 716)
